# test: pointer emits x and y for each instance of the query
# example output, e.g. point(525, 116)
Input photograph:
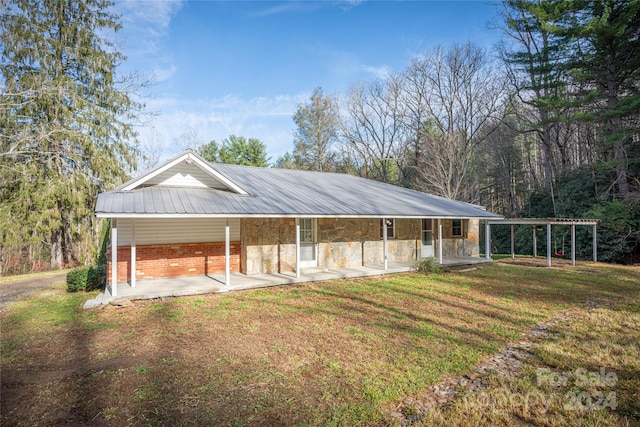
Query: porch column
point(114, 257)
point(513, 247)
point(227, 255)
point(297, 248)
point(549, 245)
point(384, 242)
point(439, 241)
point(595, 244)
point(573, 244)
point(133, 253)
point(487, 240)
point(535, 242)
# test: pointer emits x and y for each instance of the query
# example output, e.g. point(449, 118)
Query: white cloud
point(145, 24)
point(381, 72)
point(268, 119)
point(161, 74)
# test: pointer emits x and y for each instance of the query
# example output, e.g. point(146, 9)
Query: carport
point(548, 222)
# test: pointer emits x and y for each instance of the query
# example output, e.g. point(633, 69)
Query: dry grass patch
point(330, 353)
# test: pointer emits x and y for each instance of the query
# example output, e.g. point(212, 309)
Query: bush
point(97, 278)
point(427, 265)
point(86, 278)
point(77, 279)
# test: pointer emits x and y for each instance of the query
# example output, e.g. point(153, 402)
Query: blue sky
point(242, 67)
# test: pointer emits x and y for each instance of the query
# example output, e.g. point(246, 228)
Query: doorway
point(426, 238)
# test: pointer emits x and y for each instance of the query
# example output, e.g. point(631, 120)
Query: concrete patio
point(214, 283)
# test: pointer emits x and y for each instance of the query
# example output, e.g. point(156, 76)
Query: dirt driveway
point(16, 289)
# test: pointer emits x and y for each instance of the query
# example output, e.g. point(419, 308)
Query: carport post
point(487, 239)
point(133, 253)
point(573, 244)
point(535, 243)
point(297, 248)
point(114, 257)
point(439, 241)
point(384, 242)
point(549, 244)
point(513, 248)
point(595, 244)
point(227, 254)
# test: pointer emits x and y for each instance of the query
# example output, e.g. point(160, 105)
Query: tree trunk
point(621, 170)
point(56, 249)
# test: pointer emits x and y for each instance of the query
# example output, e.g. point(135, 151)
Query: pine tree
point(605, 60)
point(537, 66)
point(66, 119)
point(236, 150)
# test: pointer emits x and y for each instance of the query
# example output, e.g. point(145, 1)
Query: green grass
point(333, 353)
point(17, 277)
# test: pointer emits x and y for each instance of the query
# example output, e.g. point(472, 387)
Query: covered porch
point(216, 283)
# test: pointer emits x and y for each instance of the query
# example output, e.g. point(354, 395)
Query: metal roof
point(544, 221)
point(283, 193)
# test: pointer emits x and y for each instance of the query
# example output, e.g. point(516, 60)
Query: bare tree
point(375, 128)
point(455, 95)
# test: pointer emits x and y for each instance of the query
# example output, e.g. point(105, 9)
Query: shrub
point(427, 265)
point(97, 277)
point(86, 278)
point(77, 279)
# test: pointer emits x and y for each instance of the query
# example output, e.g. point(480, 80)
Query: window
point(307, 230)
point(427, 232)
point(456, 227)
point(391, 228)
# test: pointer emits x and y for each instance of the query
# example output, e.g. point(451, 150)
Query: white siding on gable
point(184, 175)
point(179, 230)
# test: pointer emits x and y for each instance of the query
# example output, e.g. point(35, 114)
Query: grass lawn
point(343, 352)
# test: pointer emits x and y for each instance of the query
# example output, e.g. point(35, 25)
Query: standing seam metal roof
point(285, 192)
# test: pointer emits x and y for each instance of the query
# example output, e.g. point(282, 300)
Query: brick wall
point(174, 260)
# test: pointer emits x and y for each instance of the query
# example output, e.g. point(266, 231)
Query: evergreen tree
point(536, 61)
point(236, 150)
point(285, 161)
point(65, 121)
point(605, 60)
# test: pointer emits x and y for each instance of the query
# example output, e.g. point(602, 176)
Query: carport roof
point(268, 192)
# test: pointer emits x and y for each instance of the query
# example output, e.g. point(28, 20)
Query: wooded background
point(545, 125)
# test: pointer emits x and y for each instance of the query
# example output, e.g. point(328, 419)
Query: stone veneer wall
point(468, 245)
point(403, 248)
point(341, 241)
point(268, 244)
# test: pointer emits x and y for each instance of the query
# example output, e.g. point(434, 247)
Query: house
point(188, 217)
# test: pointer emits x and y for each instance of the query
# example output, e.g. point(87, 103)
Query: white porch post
point(595, 244)
point(114, 257)
point(549, 245)
point(535, 242)
point(487, 240)
point(227, 255)
point(133, 253)
point(573, 244)
point(513, 247)
point(439, 241)
point(384, 242)
point(297, 248)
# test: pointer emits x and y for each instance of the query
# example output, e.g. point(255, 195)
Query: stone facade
point(268, 244)
point(466, 245)
point(341, 241)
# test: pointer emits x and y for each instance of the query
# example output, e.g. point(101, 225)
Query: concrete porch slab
point(214, 283)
